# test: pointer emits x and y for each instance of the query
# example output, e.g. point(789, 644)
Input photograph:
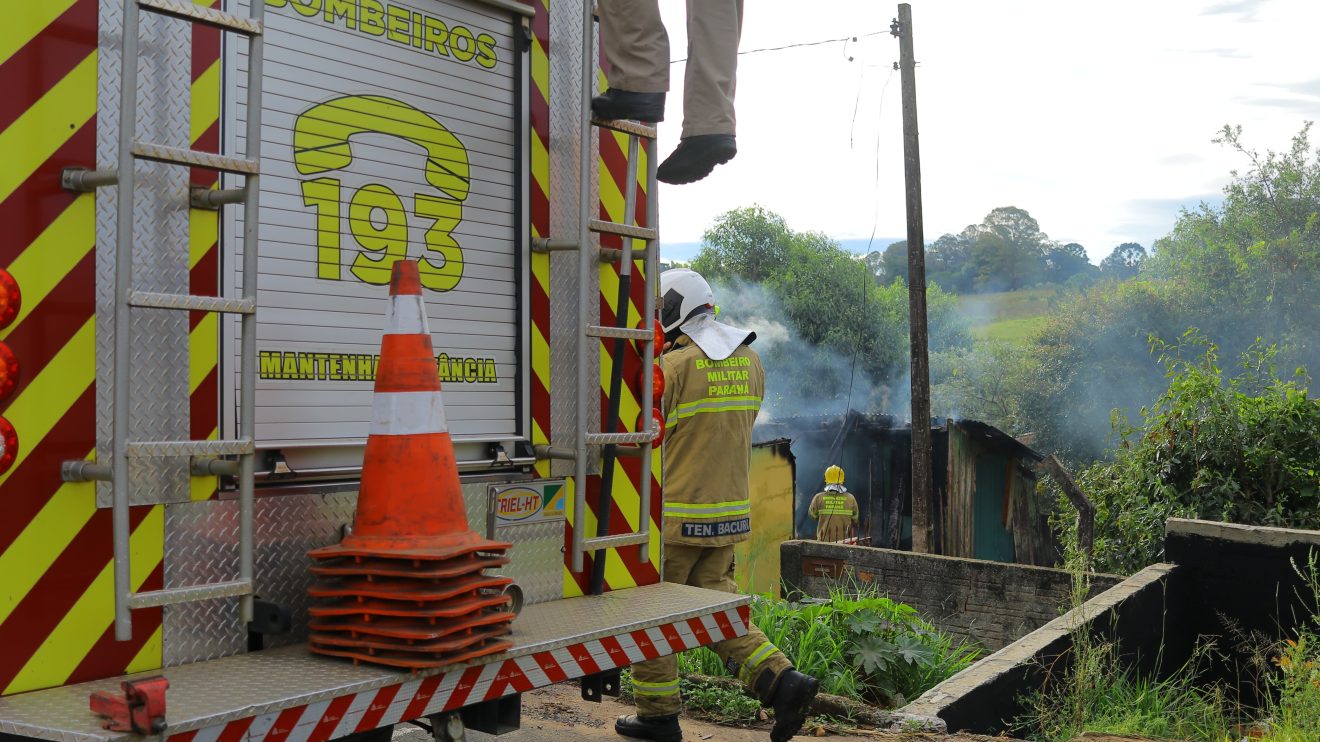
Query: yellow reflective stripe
point(45, 538)
point(641, 688)
point(49, 258)
point(80, 629)
point(149, 657)
point(43, 128)
point(746, 403)
point(831, 511)
point(24, 21)
point(708, 510)
point(754, 661)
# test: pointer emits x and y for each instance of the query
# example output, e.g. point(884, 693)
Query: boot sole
point(791, 724)
point(645, 116)
point(693, 178)
point(644, 735)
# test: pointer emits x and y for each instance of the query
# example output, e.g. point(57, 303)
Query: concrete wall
point(986, 697)
point(1247, 575)
point(1223, 581)
point(991, 603)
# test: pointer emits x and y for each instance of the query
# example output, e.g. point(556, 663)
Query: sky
point(1096, 117)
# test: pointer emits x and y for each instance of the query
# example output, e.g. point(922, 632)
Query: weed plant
point(1098, 692)
point(867, 648)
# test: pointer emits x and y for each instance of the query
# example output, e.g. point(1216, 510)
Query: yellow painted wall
point(772, 519)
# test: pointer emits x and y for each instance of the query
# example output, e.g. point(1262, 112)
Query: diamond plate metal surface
point(159, 378)
point(212, 693)
point(565, 325)
point(201, 546)
point(537, 559)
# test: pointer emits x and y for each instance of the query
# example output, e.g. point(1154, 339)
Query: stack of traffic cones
point(408, 587)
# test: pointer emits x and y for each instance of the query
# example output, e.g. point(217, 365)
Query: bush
point(1238, 448)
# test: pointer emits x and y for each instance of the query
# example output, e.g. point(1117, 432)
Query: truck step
point(147, 449)
point(623, 230)
point(187, 11)
point(191, 157)
point(635, 128)
point(157, 300)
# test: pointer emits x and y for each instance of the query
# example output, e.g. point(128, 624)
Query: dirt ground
point(558, 714)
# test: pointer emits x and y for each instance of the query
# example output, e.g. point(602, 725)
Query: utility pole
point(916, 249)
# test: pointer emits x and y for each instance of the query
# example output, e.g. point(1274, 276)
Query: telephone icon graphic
point(322, 143)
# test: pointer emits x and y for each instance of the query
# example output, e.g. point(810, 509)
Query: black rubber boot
point(695, 157)
point(657, 728)
point(792, 701)
point(621, 104)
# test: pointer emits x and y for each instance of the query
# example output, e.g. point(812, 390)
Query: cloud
point(1149, 219)
point(1246, 10)
point(1221, 52)
point(1185, 158)
point(1302, 96)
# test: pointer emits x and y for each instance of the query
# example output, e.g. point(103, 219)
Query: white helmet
point(683, 293)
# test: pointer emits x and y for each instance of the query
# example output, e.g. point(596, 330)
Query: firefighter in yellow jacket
point(713, 388)
point(835, 509)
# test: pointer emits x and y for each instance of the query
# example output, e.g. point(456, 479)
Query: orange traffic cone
point(406, 587)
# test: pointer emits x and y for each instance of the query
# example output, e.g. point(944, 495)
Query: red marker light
point(11, 299)
point(657, 422)
point(8, 445)
point(8, 371)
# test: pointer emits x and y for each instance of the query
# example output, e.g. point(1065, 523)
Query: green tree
point(1062, 262)
point(1006, 249)
point(895, 261)
point(828, 325)
point(1124, 262)
point(749, 244)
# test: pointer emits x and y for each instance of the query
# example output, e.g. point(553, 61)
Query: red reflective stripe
point(379, 705)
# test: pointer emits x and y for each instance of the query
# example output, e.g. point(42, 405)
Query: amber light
point(11, 299)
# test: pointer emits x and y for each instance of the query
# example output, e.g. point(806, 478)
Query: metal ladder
point(127, 298)
point(588, 370)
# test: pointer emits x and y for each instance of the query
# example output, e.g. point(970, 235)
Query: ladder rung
point(189, 12)
point(627, 333)
point(623, 230)
point(635, 128)
point(186, 301)
point(173, 595)
point(182, 156)
point(613, 542)
point(603, 439)
point(147, 449)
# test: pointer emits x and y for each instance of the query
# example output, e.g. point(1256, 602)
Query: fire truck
point(202, 204)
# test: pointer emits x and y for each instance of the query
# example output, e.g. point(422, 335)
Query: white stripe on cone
point(406, 315)
point(407, 413)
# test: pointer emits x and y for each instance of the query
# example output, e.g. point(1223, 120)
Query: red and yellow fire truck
point(202, 203)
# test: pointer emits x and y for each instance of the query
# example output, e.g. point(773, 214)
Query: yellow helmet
point(834, 475)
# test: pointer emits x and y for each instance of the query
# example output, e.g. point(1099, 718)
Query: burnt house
point(984, 499)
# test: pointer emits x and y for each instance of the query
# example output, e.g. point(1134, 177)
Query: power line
point(797, 46)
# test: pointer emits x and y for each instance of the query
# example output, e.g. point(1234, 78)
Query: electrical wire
point(866, 294)
point(799, 45)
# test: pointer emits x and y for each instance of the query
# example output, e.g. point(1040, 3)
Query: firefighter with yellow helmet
point(835, 509)
point(713, 388)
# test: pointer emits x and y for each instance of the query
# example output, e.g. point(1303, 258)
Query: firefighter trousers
point(637, 48)
point(751, 658)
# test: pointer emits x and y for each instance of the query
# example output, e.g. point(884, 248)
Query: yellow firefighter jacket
point(709, 409)
point(835, 513)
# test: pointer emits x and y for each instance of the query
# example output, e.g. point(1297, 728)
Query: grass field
point(1011, 316)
